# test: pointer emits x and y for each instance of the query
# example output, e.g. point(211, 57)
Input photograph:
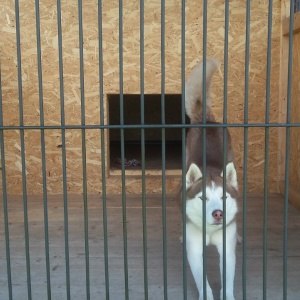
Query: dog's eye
point(225, 197)
point(201, 197)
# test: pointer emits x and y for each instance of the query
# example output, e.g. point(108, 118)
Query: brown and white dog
point(214, 185)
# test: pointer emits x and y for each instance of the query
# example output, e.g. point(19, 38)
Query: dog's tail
point(194, 88)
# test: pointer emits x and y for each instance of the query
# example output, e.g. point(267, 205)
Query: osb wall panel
point(295, 115)
point(131, 74)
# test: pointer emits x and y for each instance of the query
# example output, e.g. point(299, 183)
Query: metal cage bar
point(183, 156)
point(43, 148)
point(83, 150)
point(153, 126)
point(267, 141)
point(143, 149)
point(4, 200)
point(204, 93)
point(63, 148)
point(163, 153)
point(22, 150)
point(287, 153)
point(124, 208)
point(103, 164)
point(225, 99)
point(245, 171)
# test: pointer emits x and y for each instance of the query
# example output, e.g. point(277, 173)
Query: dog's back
point(214, 135)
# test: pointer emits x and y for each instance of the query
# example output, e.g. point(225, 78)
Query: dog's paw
point(181, 240)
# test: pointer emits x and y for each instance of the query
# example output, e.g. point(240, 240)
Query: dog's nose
point(217, 214)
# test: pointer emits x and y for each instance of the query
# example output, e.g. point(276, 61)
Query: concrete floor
point(254, 254)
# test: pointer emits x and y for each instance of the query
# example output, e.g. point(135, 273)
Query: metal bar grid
point(102, 127)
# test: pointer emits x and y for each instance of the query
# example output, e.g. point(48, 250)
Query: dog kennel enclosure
point(92, 133)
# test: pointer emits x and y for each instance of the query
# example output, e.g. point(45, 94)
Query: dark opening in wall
point(153, 136)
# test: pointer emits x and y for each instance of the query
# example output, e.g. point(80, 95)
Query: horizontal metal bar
point(153, 126)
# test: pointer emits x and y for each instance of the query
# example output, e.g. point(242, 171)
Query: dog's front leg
point(195, 258)
point(230, 266)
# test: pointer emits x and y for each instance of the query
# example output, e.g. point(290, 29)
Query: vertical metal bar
point(103, 165)
point(4, 195)
point(267, 137)
point(247, 52)
point(163, 151)
point(183, 157)
point(43, 147)
point(124, 209)
point(83, 149)
point(144, 200)
point(22, 141)
point(63, 142)
point(226, 25)
point(287, 148)
point(204, 146)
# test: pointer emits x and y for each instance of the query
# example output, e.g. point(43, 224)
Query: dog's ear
point(193, 174)
point(231, 176)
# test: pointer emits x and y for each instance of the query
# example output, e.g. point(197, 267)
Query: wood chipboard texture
point(131, 82)
point(295, 115)
point(294, 146)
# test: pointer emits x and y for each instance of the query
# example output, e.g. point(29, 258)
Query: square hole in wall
point(153, 136)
